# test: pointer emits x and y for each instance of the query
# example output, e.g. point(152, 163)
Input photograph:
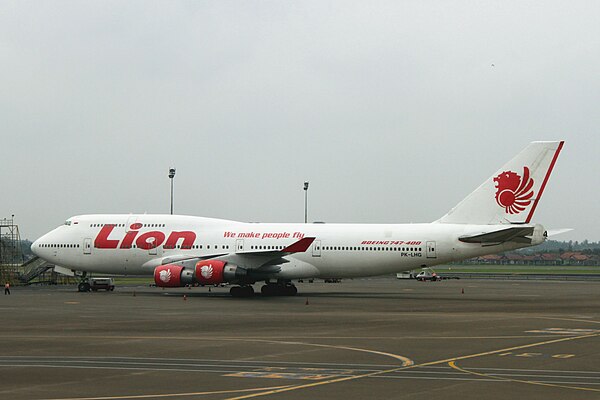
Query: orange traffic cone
point(306, 302)
point(462, 291)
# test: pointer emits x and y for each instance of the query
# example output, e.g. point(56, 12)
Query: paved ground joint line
point(445, 361)
point(453, 365)
point(166, 395)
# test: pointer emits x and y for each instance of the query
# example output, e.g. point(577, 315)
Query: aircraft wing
point(513, 234)
point(248, 259)
point(264, 258)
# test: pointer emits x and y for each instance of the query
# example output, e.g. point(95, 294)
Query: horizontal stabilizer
point(555, 232)
point(515, 234)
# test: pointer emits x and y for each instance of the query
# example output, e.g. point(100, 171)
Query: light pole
point(171, 176)
point(305, 201)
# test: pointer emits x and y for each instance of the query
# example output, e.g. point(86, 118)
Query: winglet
point(300, 246)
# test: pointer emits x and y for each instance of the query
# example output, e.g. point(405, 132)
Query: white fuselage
point(109, 244)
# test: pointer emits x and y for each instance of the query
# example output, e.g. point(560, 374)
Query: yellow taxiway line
point(391, 370)
point(453, 365)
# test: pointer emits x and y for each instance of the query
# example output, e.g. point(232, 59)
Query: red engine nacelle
point(210, 272)
point(206, 272)
point(169, 276)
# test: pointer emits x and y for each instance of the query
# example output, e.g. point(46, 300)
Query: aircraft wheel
point(241, 291)
point(272, 289)
point(290, 290)
point(268, 290)
point(83, 287)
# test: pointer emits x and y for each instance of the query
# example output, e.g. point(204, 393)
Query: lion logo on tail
point(513, 192)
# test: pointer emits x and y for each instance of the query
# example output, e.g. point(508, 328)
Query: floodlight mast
point(305, 202)
point(171, 176)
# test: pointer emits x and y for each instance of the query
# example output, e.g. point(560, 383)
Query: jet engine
point(209, 272)
point(204, 272)
point(172, 275)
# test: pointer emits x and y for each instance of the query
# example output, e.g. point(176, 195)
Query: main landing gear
point(241, 291)
point(279, 289)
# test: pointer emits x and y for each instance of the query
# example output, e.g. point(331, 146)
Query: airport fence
point(527, 277)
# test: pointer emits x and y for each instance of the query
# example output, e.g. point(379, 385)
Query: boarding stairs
point(33, 268)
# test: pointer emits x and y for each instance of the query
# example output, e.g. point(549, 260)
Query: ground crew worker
point(6, 288)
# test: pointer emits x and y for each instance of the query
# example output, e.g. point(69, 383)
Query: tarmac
point(359, 339)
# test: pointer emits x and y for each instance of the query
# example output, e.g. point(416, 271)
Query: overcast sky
point(394, 111)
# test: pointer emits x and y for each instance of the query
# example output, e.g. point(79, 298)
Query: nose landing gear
point(84, 284)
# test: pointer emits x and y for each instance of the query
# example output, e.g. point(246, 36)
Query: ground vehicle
point(107, 284)
point(405, 275)
point(427, 275)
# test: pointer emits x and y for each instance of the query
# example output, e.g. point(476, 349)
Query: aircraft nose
point(34, 247)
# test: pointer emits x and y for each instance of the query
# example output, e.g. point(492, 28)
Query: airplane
point(181, 250)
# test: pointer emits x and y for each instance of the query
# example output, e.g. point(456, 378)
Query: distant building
point(513, 258)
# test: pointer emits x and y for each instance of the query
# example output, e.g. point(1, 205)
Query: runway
point(369, 338)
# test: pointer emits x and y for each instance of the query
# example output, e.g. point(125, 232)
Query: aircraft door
point(431, 250)
point(239, 245)
point(87, 246)
point(130, 221)
point(316, 248)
